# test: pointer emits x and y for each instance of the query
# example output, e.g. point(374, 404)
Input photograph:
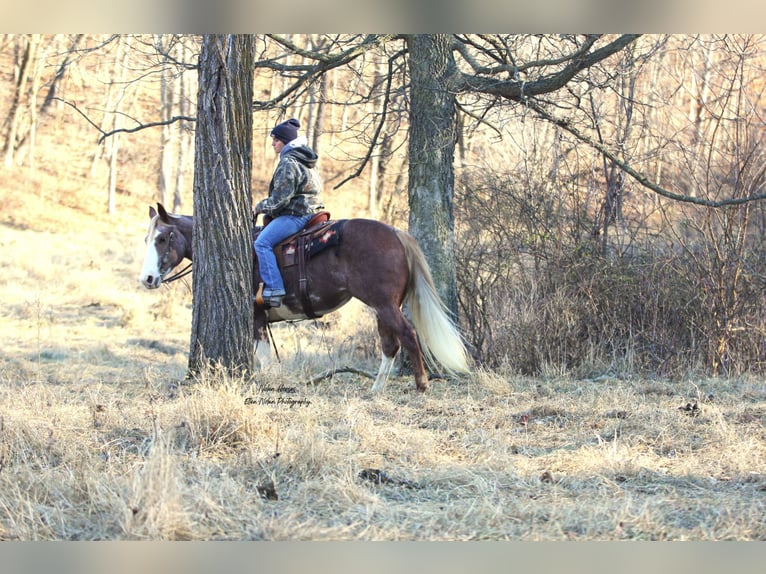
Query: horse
point(378, 264)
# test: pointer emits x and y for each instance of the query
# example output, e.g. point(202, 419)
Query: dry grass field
point(101, 438)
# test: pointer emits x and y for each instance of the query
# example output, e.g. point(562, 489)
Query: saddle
point(318, 234)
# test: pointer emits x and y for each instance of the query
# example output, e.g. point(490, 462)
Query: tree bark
point(222, 317)
point(433, 125)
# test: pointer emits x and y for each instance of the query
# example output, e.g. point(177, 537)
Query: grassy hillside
point(100, 437)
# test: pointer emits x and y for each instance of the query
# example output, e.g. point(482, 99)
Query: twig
point(146, 125)
point(330, 373)
point(381, 123)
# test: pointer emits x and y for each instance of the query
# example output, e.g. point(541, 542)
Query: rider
point(294, 197)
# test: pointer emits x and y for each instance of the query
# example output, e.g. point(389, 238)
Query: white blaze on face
point(150, 274)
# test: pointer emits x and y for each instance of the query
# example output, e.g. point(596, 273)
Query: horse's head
point(166, 247)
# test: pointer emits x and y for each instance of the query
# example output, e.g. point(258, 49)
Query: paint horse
point(380, 265)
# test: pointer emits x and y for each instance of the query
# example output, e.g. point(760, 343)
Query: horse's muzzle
point(151, 281)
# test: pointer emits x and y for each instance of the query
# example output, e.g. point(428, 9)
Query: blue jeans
point(278, 229)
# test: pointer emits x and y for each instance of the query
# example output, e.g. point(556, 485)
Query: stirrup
point(273, 301)
point(268, 299)
point(272, 298)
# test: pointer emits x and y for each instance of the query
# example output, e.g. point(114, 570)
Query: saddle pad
point(323, 237)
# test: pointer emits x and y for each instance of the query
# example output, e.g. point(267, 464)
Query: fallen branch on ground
point(332, 372)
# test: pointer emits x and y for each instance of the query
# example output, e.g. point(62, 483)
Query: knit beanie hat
point(286, 131)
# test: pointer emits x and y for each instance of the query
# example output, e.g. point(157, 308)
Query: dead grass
point(100, 437)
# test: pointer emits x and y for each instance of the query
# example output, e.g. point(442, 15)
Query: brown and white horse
point(381, 266)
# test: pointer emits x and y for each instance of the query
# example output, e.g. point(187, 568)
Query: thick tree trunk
point(222, 317)
point(431, 151)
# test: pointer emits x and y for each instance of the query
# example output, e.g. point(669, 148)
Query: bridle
point(164, 261)
point(188, 269)
point(183, 273)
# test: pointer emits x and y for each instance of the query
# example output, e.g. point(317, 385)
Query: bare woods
point(608, 212)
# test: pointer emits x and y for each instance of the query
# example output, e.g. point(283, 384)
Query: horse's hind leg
point(385, 368)
point(389, 346)
point(393, 329)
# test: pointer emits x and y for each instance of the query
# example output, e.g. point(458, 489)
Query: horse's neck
point(185, 224)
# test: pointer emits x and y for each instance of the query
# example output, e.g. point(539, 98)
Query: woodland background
point(564, 262)
point(618, 333)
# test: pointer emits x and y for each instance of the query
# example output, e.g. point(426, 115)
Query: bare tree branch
point(518, 90)
point(60, 73)
point(105, 134)
point(310, 72)
point(140, 127)
point(79, 111)
point(562, 123)
point(165, 52)
point(506, 62)
point(332, 372)
point(381, 123)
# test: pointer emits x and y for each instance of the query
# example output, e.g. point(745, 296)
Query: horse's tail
point(439, 336)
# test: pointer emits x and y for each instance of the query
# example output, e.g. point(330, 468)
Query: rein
point(188, 269)
point(164, 259)
point(183, 273)
point(273, 342)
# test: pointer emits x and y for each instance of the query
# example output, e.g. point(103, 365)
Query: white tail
point(439, 336)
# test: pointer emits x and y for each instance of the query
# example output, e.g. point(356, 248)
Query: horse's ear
point(163, 214)
point(152, 212)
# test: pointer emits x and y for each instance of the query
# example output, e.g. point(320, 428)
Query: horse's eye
point(162, 239)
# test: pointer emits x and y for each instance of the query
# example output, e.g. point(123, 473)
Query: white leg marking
point(385, 368)
point(262, 351)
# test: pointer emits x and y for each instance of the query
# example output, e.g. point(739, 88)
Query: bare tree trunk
point(333, 106)
point(28, 47)
point(266, 156)
point(105, 124)
point(39, 64)
point(372, 206)
point(431, 152)
point(222, 317)
point(377, 103)
point(185, 136)
point(319, 116)
point(60, 73)
point(310, 99)
point(121, 68)
point(700, 94)
point(167, 141)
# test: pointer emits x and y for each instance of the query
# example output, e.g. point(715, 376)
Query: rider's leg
point(277, 230)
